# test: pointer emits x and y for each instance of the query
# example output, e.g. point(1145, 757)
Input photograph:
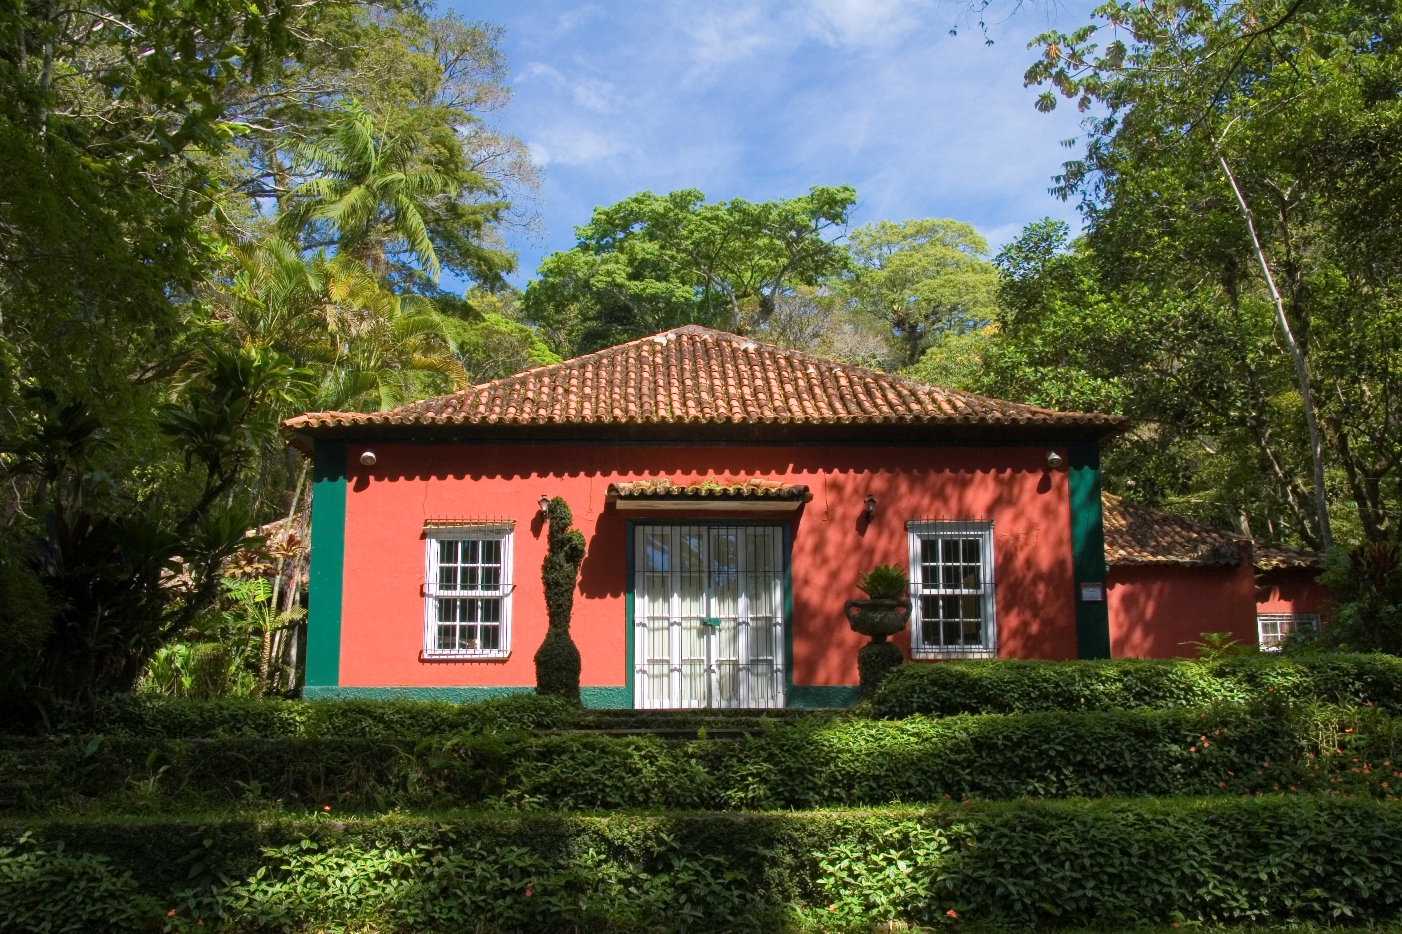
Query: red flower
point(326, 808)
point(171, 913)
point(952, 913)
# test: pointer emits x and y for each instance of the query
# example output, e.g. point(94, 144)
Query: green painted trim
point(1088, 550)
point(788, 617)
point(607, 698)
point(628, 626)
point(327, 571)
point(458, 695)
point(824, 695)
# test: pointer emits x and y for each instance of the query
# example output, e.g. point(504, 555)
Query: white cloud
point(573, 145)
point(860, 23)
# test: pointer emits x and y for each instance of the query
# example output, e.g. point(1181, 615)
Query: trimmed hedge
point(1272, 859)
point(140, 715)
point(1014, 686)
point(804, 765)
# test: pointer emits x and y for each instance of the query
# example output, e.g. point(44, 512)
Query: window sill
point(919, 654)
point(465, 656)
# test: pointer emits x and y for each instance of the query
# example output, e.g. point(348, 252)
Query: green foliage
point(217, 215)
point(1273, 859)
point(875, 661)
point(920, 279)
point(811, 763)
point(557, 660)
point(1368, 585)
point(1023, 686)
point(653, 262)
point(884, 582)
point(65, 893)
point(1284, 104)
point(139, 715)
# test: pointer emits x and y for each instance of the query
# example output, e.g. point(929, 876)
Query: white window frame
point(921, 530)
point(432, 591)
point(1297, 622)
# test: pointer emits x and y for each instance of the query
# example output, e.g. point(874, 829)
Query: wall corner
point(327, 565)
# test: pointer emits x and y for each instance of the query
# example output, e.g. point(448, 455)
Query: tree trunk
point(1297, 355)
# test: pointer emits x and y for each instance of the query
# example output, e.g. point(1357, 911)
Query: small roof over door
point(708, 495)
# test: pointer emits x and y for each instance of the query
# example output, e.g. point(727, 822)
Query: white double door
point(708, 616)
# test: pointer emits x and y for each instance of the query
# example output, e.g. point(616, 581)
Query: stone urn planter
point(883, 613)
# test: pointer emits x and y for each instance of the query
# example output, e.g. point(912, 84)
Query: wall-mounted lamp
point(544, 504)
point(871, 507)
point(1054, 460)
point(368, 458)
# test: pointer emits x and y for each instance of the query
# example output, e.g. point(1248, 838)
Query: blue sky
point(763, 99)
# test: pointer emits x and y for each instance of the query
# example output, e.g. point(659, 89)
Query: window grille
point(1272, 629)
point(708, 616)
point(467, 593)
point(952, 607)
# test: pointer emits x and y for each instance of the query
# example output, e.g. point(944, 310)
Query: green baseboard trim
point(607, 698)
point(456, 695)
point(604, 698)
point(823, 695)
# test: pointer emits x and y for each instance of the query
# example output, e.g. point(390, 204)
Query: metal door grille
point(708, 616)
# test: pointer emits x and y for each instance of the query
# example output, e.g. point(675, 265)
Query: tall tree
point(652, 262)
point(1243, 159)
point(920, 279)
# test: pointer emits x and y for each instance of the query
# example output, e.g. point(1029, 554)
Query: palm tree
point(369, 189)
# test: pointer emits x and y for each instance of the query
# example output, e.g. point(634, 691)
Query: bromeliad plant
point(883, 613)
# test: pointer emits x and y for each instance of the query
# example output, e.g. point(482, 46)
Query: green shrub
point(557, 662)
point(144, 715)
point(1008, 686)
point(1271, 859)
point(57, 891)
point(805, 765)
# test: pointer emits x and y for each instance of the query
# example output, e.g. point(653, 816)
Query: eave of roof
point(693, 382)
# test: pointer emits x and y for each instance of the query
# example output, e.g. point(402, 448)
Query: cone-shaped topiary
point(557, 659)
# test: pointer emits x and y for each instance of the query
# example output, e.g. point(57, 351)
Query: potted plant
point(884, 612)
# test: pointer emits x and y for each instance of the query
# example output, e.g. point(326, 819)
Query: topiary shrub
point(557, 659)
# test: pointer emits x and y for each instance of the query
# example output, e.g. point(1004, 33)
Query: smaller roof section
point(696, 377)
point(1136, 534)
point(710, 494)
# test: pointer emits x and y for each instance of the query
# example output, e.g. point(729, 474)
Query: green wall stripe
point(1088, 550)
point(607, 697)
point(328, 558)
point(823, 695)
point(457, 695)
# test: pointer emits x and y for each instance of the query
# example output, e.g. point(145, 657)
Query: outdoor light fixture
point(544, 503)
point(871, 507)
point(368, 458)
point(1054, 460)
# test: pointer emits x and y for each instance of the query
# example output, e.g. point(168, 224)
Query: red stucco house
point(1171, 579)
point(730, 493)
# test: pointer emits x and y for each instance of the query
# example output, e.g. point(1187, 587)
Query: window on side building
point(951, 581)
point(467, 593)
point(1274, 628)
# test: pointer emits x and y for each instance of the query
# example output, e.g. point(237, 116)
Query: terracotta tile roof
point(694, 375)
point(1283, 556)
point(1136, 534)
point(709, 489)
